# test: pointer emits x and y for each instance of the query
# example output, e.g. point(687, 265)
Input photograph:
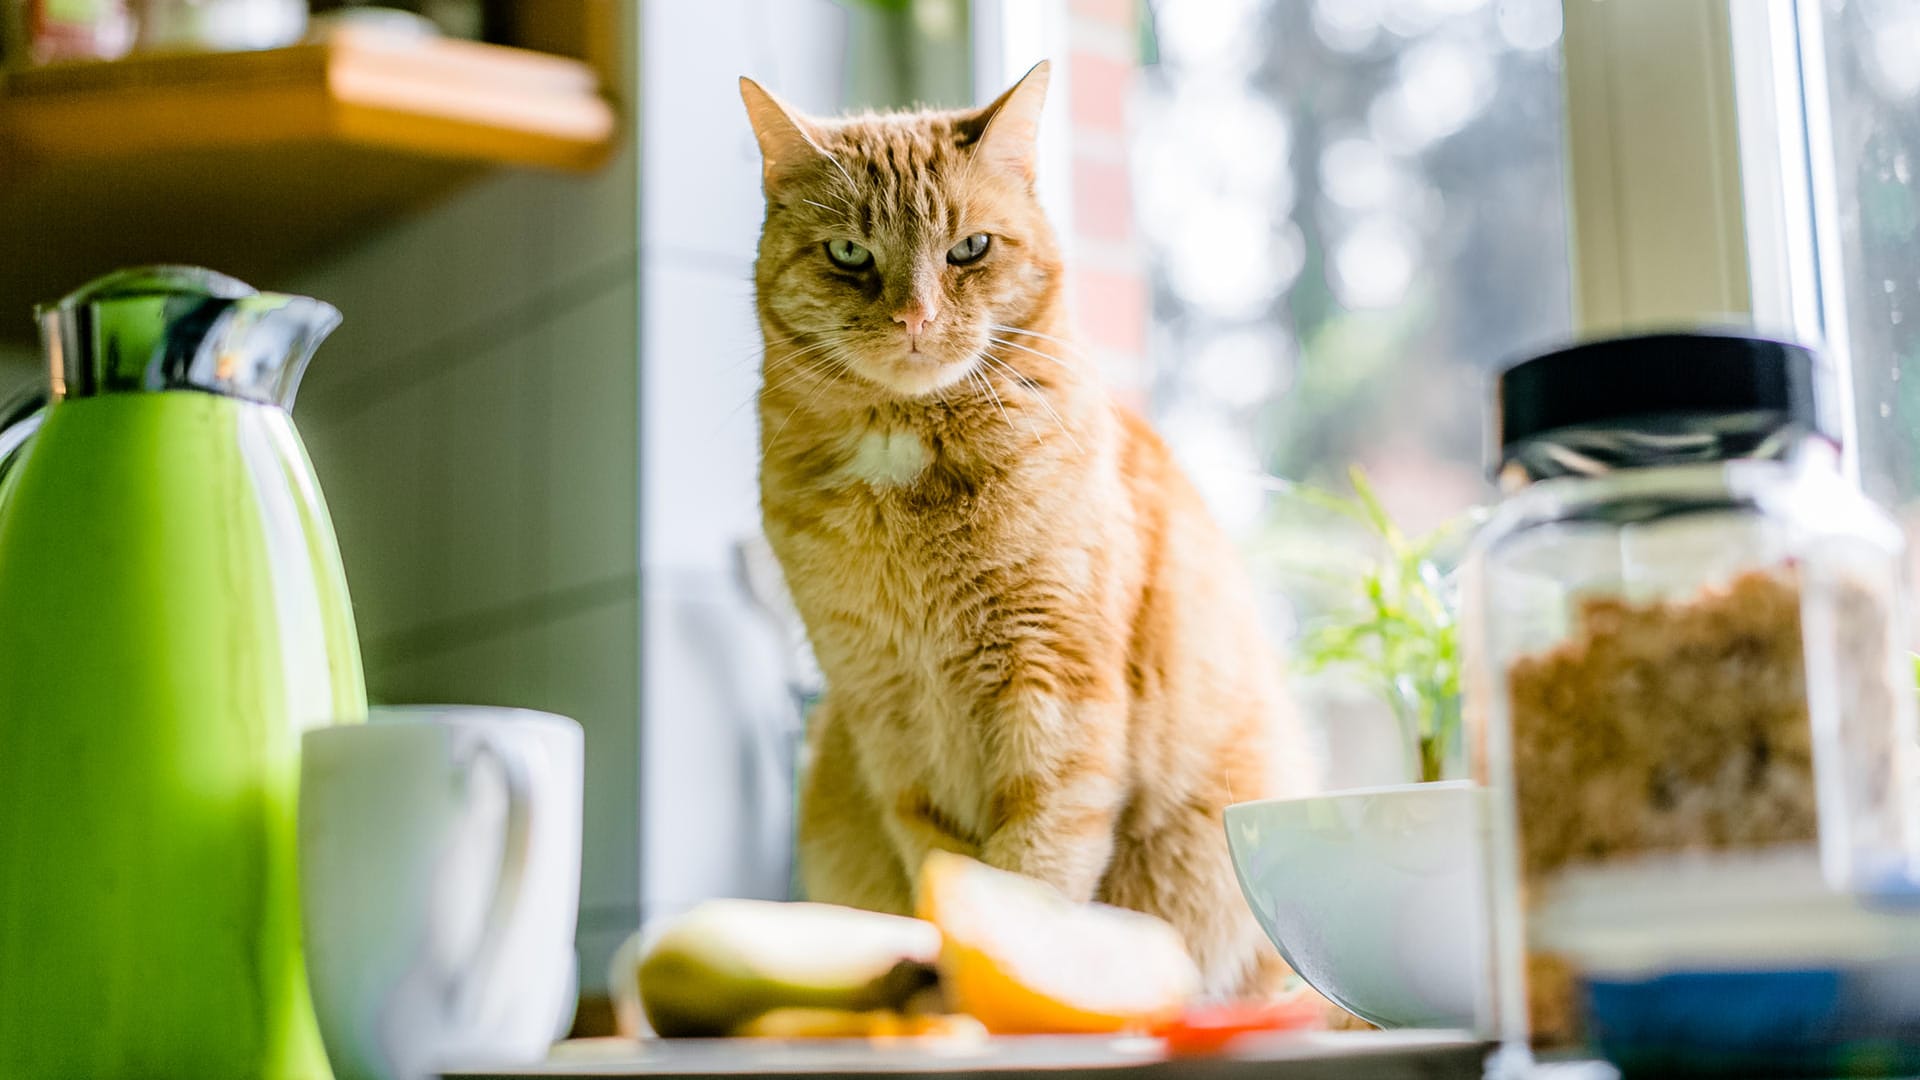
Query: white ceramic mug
point(440, 882)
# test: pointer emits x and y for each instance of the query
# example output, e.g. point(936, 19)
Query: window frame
point(1788, 163)
point(1746, 226)
point(1655, 202)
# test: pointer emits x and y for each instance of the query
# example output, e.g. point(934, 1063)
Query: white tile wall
point(717, 803)
point(701, 171)
point(588, 230)
point(700, 455)
point(588, 491)
point(716, 779)
point(475, 427)
point(450, 284)
point(701, 165)
point(371, 469)
point(587, 670)
point(491, 670)
point(483, 468)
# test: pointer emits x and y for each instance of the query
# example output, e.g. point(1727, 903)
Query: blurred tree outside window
point(1355, 212)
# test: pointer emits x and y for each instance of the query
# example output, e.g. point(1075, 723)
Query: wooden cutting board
point(1372, 1055)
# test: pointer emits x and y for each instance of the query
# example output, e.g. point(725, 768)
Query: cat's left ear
point(1006, 133)
point(787, 142)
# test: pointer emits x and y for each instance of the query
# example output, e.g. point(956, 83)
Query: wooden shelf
point(256, 162)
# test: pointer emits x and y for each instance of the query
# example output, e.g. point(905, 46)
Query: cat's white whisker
point(1025, 349)
point(987, 384)
point(761, 347)
point(803, 371)
point(755, 397)
point(799, 377)
point(758, 350)
point(941, 396)
point(823, 343)
point(844, 212)
point(816, 368)
point(835, 358)
point(1062, 342)
point(1037, 396)
point(852, 188)
point(799, 370)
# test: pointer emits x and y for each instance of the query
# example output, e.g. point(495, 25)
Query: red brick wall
point(1108, 267)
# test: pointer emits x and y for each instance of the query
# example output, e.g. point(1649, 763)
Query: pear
point(725, 963)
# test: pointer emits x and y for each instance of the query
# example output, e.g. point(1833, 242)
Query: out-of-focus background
point(1302, 234)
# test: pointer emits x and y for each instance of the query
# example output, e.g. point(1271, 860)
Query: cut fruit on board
point(1025, 960)
point(880, 1026)
point(727, 962)
point(1209, 1029)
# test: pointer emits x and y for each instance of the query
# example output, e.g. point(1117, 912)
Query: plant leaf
point(1399, 633)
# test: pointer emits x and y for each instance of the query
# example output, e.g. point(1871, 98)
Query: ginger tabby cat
point(1039, 651)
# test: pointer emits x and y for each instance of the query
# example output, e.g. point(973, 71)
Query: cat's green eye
point(848, 255)
point(968, 250)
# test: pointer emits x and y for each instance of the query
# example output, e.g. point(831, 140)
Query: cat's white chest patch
point(888, 458)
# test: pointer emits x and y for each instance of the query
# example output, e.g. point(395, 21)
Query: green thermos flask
point(172, 616)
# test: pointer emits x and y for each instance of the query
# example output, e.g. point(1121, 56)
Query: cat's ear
point(787, 141)
point(1006, 134)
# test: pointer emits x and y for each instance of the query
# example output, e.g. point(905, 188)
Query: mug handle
point(465, 981)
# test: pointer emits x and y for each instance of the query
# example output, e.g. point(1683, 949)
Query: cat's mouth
point(917, 370)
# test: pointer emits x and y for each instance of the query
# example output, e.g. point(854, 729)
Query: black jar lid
point(1645, 381)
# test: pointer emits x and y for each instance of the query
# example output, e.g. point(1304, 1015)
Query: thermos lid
point(180, 328)
point(1702, 394)
point(145, 281)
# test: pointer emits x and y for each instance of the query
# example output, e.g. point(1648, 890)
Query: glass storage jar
point(1684, 637)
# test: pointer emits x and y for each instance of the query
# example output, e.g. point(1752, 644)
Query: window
point(1869, 51)
point(1354, 211)
point(1830, 108)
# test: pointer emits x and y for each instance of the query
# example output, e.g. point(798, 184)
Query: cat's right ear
point(787, 141)
point(1006, 133)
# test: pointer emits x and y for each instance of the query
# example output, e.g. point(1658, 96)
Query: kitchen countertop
point(1373, 1055)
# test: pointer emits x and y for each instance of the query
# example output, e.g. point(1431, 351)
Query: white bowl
point(1376, 896)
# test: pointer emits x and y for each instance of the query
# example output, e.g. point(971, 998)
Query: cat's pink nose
point(916, 317)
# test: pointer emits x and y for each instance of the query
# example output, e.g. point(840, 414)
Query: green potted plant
point(1392, 627)
point(1376, 895)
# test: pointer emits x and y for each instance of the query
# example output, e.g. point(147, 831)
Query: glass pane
point(1355, 211)
point(1872, 54)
